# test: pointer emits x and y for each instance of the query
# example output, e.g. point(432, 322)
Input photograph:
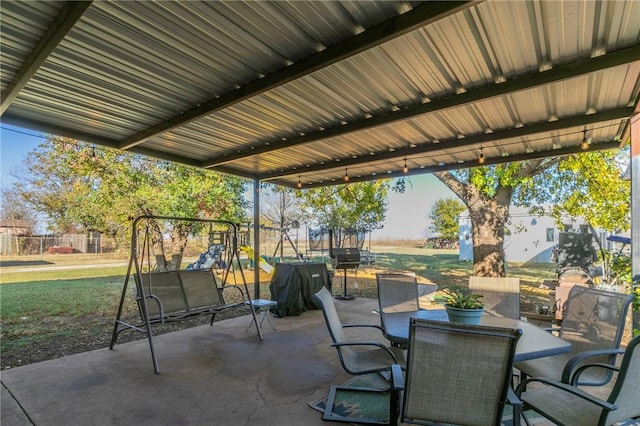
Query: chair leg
point(517, 413)
point(394, 407)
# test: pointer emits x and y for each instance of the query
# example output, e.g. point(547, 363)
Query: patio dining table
point(535, 342)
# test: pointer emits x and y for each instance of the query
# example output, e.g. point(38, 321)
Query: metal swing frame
point(143, 280)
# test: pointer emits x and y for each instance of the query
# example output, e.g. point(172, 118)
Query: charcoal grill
point(345, 258)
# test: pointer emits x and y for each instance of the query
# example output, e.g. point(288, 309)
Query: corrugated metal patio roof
point(308, 91)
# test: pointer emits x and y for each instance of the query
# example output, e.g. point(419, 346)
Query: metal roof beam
point(562, 72)
point(54, 129)
point(70, 13)
point(397, 26)
point(112, 143)
point(576, 121)
point(603, 146)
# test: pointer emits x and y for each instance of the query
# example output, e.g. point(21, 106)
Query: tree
point(281, 208)
point(588, 185)
point(17, 216)
point(357, 206)
point(444, 218)
point(15, 213)
point(82, 188)
point(488, 193)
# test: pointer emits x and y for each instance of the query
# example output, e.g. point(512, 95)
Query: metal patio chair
point(593, 322)
point(397, 293)
point(456, 374)
point(356, 356)
point(565, 404)
point(500, 295)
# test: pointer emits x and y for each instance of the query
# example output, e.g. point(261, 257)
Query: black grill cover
point(294, 284)
point(345, 258)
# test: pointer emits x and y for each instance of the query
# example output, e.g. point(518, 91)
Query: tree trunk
point(487, 222)
point(179, 236)
point(488, 216)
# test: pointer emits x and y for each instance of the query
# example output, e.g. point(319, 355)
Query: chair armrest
point(397, 378)
point(512, 398)
point(578, 372)
point(376, 344)
point(362, 325)
point(238, 288)
point(567, 388)
point(572, 364)
point(395, 389)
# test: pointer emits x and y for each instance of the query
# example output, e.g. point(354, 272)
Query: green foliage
point(80, 187)
point(488, 179)
point(616, 267)
point(444, 217)
point(358, 206)
point(586, 185)
point(463, 298)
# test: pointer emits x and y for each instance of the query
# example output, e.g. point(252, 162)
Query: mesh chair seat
point(457, 373)
point(500, 295)
point(356, 357)
point(569, 405)
point(397, 292)
point(366, 360)
point(593, 320)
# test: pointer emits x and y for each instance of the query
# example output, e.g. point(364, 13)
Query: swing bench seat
point(170, 296)
point(166, 296)
point(176, 295)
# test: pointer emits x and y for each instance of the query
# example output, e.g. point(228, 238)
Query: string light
point(93, 154)
point(481, 158)
point(346, 175)
point(405, 169)
point(585, 141)
point(299, 185)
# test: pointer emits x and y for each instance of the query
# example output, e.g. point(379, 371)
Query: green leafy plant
point(462, 298)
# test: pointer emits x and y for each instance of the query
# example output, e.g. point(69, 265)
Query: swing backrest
point(180, 291)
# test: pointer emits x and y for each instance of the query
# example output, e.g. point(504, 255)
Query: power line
point(24, 133)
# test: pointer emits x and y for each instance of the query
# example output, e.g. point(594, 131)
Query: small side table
point(261, 305)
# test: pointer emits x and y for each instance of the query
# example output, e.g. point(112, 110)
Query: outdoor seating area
point(292, 375)
point(217, 127)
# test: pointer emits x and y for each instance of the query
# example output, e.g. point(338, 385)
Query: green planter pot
point(466, 316)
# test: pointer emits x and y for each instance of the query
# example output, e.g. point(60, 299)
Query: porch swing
point(172, 294)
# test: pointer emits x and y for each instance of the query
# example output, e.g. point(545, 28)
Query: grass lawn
point(51, 312)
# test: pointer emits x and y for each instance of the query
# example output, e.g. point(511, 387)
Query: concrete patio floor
point(219, 375)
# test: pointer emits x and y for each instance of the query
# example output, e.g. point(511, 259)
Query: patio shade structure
point(301, 94)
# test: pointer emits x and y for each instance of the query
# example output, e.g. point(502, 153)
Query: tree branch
point(458, 187)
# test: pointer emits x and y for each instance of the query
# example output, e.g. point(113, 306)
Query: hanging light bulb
point(299, 184)
point(93, 154)
point(405, 169)
point(481, 158)
point(346, 176)
point(585, 141)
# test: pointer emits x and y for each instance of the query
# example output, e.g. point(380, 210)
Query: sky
point(407, 215)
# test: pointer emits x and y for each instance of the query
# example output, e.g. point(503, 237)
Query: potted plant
point(463, 306)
